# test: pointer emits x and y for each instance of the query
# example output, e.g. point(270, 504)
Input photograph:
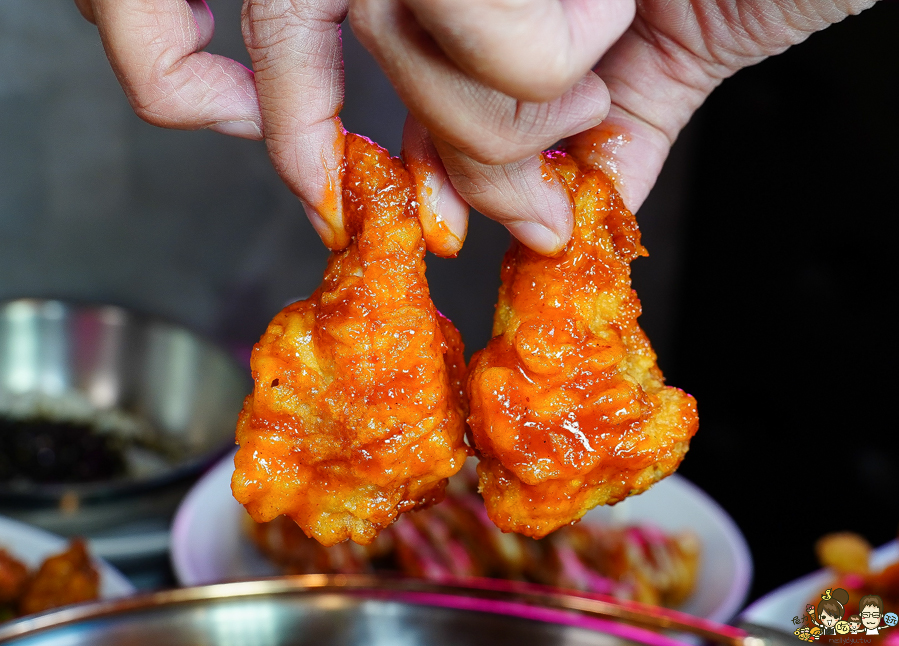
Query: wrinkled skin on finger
point(155, 49)
point(493, 82)
point(658, 69)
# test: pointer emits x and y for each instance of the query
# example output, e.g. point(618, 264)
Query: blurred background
point(766, 293)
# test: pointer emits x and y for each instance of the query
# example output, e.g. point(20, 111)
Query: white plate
point(134, 541)
point(777, 609)
point(32, 546)
point(209, 544)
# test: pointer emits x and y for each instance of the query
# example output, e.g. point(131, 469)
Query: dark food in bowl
point(106, 414)
point(55, 447)
point(52, 451)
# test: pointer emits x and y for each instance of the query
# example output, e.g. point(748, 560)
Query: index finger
point(296, 51)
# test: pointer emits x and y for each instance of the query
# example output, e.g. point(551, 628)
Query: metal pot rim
point(485, 595)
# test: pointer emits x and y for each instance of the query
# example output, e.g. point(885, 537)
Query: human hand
point(294, 98)
point(658, 72)
point(155, 48)
point(493, 83)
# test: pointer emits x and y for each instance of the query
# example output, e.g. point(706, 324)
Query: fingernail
point(593, 96)
point(451, 209)
point(318, 222)
point(243, 129)
point(536, 236)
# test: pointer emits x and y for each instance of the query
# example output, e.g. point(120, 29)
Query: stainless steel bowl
point(359, 610)
point(134, 375)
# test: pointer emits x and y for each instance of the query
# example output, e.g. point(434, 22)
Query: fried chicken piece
point(568, 407)
point(845, 552)
point(13, 577)
point(285, 543)
point(357, 414)
point(66, 578)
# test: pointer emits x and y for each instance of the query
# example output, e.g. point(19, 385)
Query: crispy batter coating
point(13, 577)
point(568, 407)
point(357, 414)
point(66, 578)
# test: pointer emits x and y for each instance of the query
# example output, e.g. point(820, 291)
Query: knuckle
point(172, 96)
point(151, 101)
point(152, 109)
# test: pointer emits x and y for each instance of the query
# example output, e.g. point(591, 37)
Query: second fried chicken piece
point(357, 414)
point(568, 407)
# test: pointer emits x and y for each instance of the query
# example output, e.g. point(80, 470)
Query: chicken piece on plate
point(357, 414)
point(13, 577)
point(845, 552)
point(568, 407)
point(69, 577)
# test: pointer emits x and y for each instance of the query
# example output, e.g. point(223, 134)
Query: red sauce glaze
point(357, 413)
point(568, 407)
point(438, 236)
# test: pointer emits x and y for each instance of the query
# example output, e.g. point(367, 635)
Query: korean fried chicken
point(13, 577)
point(69, 577)
point(568, 407)
point(357, 414)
